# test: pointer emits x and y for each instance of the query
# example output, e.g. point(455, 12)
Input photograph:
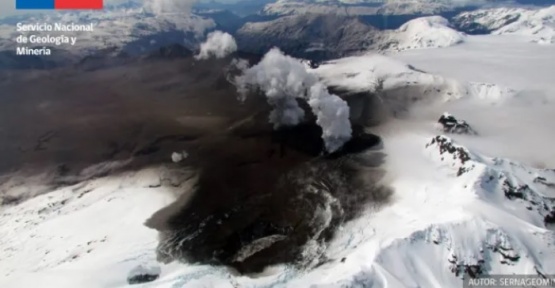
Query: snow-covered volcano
point(425, 32)
point(461, 205)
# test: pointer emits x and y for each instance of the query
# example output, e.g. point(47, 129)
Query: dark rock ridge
point(470, 24)
point(450, 124)
point(143, 274)
point(510, 187)
point(462, 269)
point(543, 181)
point(446, 145)
point(550, 218)
point(310, 36)
point(518, 191)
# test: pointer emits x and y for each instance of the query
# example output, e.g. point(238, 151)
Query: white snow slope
point(537, 24)
point(424, 32)
point(454, 208)
point(87, 235)
point(507, 61)
point(401, 81)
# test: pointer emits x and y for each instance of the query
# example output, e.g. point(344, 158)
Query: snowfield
point(427, 32)
point(538, 25)
point(68, 237)
point(442, 224)
point(400, 80)
point(460, 206)
point(508, 61)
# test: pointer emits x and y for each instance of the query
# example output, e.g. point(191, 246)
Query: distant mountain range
point(383, 7)
point(536, 23)
point(315, 30)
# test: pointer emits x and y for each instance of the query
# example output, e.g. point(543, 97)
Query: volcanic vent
point(264, 196)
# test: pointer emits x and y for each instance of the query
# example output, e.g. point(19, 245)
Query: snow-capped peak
point(427, 32)
point(365, 7)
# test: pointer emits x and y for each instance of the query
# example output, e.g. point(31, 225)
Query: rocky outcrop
point(143, 274)
point(450, 124)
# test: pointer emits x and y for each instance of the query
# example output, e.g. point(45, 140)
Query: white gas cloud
point(332, 114)
point(218, 44)
point(284, 80)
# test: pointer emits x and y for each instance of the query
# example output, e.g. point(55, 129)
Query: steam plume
point(218, 44)
point(283, 80)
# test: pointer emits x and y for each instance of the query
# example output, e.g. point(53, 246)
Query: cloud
point(284, 80)
point(218, 44)
point(169, 6)
point(332, 114)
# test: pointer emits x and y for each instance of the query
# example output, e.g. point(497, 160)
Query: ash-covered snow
point(459, 208)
